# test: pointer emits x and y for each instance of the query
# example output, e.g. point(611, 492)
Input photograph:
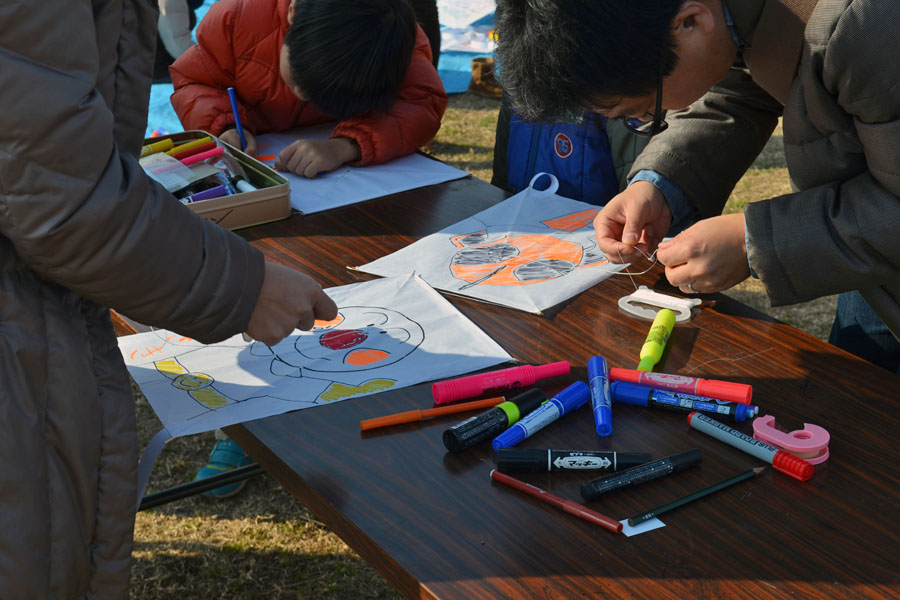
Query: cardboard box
point(271, 201)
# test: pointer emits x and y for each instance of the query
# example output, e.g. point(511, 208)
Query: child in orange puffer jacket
point(291, 63)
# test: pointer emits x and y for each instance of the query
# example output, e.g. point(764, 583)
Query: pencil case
point(270, 201)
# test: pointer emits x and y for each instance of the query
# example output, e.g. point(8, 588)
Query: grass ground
point(265, 544)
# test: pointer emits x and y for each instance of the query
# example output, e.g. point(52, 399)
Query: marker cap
point(525, 403)
point(725, 390)
point(744, 411)
point(625, 392)
point(552, 370)
point(796, 467)
point(574, 397)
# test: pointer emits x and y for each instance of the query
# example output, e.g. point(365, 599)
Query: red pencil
point(573, 508)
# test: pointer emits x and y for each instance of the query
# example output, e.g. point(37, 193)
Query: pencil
point(691, 497)
point(417, 415)
point(573, 508)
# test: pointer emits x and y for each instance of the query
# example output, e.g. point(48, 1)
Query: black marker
point(635, 475)
point(489, 424)
point(535, 460)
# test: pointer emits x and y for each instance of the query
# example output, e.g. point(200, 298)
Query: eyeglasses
point(649, 125)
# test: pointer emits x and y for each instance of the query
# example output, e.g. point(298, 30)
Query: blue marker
point(573, 397)
point(237, 117)
point(625, 392)
point(601, 401)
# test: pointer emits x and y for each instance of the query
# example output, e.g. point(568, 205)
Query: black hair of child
point(562, 58)
point(350, 58)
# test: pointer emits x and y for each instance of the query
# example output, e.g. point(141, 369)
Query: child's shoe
point(226, 455)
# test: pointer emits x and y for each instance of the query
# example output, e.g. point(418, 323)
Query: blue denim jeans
point(858, 330)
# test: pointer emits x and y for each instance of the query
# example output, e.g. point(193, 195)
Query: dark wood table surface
point(436, 526)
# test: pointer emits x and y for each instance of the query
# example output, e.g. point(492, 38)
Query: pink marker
point(711, 388)
point(495, 382)
point(203, 156)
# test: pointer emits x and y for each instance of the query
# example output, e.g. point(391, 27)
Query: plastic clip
point(809, 443)
point(641, 302)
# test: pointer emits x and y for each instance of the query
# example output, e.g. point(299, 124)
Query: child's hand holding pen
point(233, 138)
point(308, 158)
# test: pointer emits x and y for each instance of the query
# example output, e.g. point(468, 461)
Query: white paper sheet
point(531, 251)
point(349, 185)
point(390, 333)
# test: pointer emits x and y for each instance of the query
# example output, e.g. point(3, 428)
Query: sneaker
point(225, 456)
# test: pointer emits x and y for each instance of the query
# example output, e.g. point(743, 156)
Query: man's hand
point(639, 216)
point(308, 158)
point(707, 257)
point(288, 299)
point(230, 136)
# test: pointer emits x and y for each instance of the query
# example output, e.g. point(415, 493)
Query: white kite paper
point(531, 251)
point(349, 185)
point(389, 334)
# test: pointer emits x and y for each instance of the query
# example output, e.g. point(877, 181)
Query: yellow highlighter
point(656, 340)
point(155, 147)
point(188, 145)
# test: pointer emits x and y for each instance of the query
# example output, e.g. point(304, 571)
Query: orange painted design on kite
point(365, 356)
point(266, 157)
point(531, 248)
point(318, 325)
point(574, 221)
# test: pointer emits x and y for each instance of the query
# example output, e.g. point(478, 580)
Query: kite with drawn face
point(360, 338)
point(335, 360)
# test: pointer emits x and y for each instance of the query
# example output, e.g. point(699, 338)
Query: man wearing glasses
point(727, 69)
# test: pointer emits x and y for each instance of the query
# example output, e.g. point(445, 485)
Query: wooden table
point(436, 526)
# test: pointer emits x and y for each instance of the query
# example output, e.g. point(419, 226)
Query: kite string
point(651, 257)
point(739, 358)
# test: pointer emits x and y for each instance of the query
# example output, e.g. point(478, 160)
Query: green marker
point(656, 340)
point(488, 424)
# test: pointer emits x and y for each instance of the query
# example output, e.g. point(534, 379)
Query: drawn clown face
point(359, 339)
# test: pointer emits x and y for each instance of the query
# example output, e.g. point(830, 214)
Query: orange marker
point(418, 415)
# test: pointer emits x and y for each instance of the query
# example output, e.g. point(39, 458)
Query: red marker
point(573, 508)
point(711, 388)
point(495, 381)
point(782, 460)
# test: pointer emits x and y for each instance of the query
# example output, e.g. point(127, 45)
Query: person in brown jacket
point(82, 229)
point(731, 68)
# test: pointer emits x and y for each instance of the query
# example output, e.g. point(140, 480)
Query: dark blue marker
point(624, 392)
point(601, 401)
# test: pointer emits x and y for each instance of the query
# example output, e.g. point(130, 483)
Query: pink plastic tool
point(809, 443)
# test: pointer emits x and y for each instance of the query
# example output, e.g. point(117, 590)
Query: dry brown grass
point(263, 543)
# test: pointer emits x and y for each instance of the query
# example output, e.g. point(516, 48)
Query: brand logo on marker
point(582, 462)
point(563, 146)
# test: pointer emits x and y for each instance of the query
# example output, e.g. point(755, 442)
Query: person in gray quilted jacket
point(82, 229)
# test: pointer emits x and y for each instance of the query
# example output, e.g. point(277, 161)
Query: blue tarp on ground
point(454, 66)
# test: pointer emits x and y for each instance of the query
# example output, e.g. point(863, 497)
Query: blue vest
point(578, 155)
